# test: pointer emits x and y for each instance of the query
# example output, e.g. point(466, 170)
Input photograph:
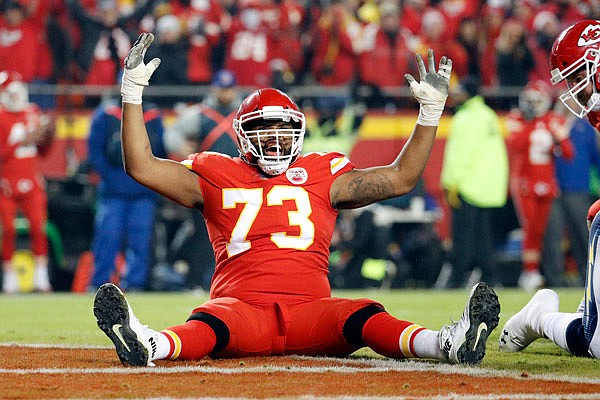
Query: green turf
point(67, 319)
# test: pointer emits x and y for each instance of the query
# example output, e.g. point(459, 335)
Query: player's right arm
point(169, 178)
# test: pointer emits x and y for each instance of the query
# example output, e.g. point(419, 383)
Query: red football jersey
point(594, 118)
point(270, 235)
point(532, 147)
point(18, 162)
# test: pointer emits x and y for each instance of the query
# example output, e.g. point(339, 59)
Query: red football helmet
point(535, 100)
point(575, 57)
point(14, 94)
point(273, 150)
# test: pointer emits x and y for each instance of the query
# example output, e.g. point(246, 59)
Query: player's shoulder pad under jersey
point(337, 161)
point(204, 157)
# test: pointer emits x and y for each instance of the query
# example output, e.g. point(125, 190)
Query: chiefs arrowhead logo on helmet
point(574, 58)
point(590, 35)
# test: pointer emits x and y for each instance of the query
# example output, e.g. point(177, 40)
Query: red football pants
point(310, 328)
point(533, 212)
point(33, 205)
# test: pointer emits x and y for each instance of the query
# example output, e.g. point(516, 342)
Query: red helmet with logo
point(270, 130)
point(575, 57)
point(14, 94)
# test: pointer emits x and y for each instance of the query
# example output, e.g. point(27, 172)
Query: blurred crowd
point(369, 43)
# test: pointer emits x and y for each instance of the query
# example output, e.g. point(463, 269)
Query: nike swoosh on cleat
point(117, 330)
point(482, 327)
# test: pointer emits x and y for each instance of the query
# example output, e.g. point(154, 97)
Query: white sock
point(427, 345)
point(163, 346)
point(41, 280)
point(10, 281)
point(555, 327)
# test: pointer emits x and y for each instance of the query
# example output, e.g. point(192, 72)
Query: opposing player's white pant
point(592, 290)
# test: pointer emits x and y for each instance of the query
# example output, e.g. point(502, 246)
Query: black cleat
point(132, 340)
point(463, 341)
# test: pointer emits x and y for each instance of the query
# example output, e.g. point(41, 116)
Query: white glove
point(137, 74)
point(432, 90)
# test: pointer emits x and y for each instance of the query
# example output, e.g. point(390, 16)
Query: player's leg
point(464, 234)
point(592, 283)
point(573, 332)
point(219, 327)
point(136, 344)
point(139, 345)
point(540, 318)
point(139, 223)
point(8, 210)
point(360, 323)
point(108, 234)
point(225, 327)
point(34, 207)
point(533, 234)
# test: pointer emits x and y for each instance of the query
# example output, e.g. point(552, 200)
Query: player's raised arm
point(365, 186)
point(167, 177)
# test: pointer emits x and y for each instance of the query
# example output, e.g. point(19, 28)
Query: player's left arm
point(360, 187)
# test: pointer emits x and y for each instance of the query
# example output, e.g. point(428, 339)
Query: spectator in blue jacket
point(125, 211)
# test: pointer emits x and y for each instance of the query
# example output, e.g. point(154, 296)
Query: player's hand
point(560, 130)
point(137, 74)
point(432, 90)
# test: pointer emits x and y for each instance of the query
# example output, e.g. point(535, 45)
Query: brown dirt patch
point(52, 373)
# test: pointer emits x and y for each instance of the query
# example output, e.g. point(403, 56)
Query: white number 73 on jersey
point(252, 199)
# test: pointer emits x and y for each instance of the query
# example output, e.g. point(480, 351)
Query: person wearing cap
point(201, 127)
point(475, 179)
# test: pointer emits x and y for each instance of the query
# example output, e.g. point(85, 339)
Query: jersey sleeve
point(336, 163)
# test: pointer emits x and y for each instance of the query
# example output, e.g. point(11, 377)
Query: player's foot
point(463, 341)
point(530, 281)
point(527, 325)
point(135, 343)
point(10, 282)
point(41, 282)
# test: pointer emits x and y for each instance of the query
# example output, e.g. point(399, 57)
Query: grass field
point(67, 319)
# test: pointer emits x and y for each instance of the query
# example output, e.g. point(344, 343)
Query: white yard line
point(329, 365)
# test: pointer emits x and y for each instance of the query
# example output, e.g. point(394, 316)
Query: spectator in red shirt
point(333, 64)
point(546, 28)
point(104, 42)
point(435, 36)
point(385, 59)
point(249, 47)
point(204, 23)
point(19, 42)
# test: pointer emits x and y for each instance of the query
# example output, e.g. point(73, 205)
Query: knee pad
point(576, 339)
point(353, 326)
point(219, 328)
